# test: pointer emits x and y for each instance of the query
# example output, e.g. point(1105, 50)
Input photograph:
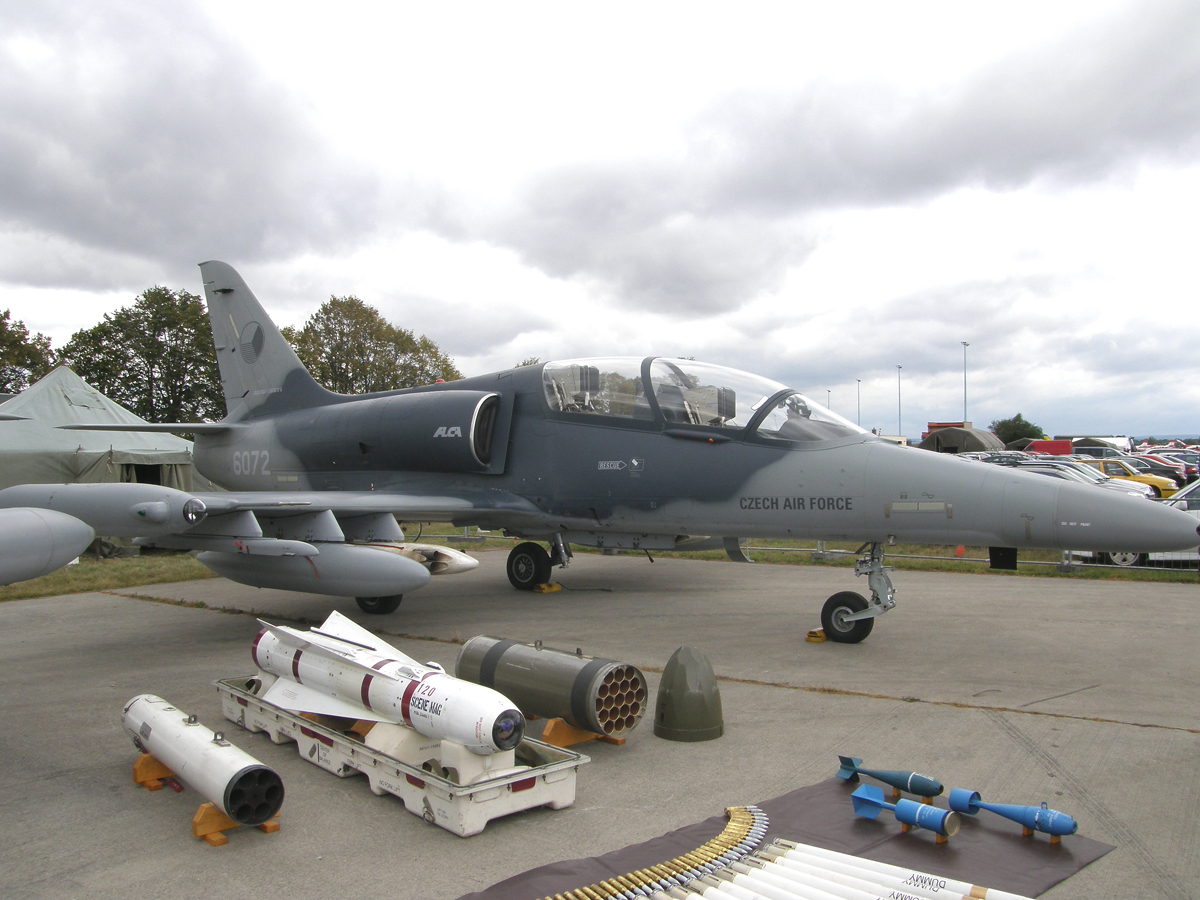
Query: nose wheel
point(848, 617)
point(834, 615)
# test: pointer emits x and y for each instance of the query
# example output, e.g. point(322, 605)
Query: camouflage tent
point(34, 450)
point(949, 440)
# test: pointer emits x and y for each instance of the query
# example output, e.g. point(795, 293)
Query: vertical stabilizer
point(260, 373)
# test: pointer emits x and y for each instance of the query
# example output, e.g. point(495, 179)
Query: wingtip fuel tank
point(36, 542)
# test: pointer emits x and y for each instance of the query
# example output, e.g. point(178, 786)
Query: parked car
point(1189, 457)
point(1122, 471)
point(1153, 467)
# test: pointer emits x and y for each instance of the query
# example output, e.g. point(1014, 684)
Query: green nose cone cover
point(689, 702)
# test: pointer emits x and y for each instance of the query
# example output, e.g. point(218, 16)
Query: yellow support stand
point(550, 588)
point(559, 734)
point(150, 773)
point(816, 636)
point(210, 823)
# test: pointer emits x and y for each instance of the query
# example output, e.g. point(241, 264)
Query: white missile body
point(871, 869)
point(241, 787)
point(341, 669)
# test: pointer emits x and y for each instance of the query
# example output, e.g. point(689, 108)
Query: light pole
point(828, 399)
point(965, 346)
point(859, 423)
point(899, 416)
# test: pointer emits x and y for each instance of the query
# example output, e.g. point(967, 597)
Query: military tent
point(34, 450)
point(949, 440)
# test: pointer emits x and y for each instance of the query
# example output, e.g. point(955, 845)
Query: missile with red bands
point(913, 782)
point(341, 669)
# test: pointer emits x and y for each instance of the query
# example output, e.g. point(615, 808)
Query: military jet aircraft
point(640, 454)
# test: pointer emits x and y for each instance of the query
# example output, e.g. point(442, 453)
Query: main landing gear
point(848, 617)
point(379, 606)
point(529, 564)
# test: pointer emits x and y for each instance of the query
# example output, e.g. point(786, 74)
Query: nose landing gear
point(848, 617)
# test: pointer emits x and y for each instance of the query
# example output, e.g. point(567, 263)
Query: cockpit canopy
point(681, 392)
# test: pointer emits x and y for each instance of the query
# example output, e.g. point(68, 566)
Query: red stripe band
point(383, 662)
point(406, 700)
point(365, 691)
point(296, 666)
point(254, 648)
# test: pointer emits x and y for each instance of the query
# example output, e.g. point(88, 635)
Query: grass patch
point(109, 574)
point(106, 574)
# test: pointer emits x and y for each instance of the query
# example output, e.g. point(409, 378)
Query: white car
point(1187, 500)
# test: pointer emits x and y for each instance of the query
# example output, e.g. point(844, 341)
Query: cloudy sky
point(818, 193)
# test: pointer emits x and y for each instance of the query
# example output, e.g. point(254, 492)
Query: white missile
point(819, 856)
point(35, 542)
point(341, 669)
point(237, 783)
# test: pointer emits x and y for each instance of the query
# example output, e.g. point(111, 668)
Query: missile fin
point(849, 769)
point(339, 626)
point(286, 635)
point(297, 697)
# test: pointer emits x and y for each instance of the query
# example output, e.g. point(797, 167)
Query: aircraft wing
point(413, 507)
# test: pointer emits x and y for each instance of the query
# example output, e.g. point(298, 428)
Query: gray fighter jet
point(640, 454)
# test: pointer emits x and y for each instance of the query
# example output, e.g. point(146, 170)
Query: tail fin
point(849, 769)
point(260, 372)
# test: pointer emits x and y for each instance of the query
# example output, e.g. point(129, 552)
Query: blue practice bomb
point(913, 782)
point(868, 802)
point(1030, 818)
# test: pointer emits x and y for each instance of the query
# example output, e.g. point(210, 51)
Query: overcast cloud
point(723, 224)
point(815, 194)
point(139, 130)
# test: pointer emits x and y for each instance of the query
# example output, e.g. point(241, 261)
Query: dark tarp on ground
point(34, 450)
point(988, 851)
point(961, 440)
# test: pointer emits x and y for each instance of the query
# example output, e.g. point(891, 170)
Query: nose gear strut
point(848, 617)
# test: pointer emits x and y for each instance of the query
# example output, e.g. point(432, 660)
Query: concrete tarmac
point(1079, 693)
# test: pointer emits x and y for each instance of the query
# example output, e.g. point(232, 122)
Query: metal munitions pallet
point(463, 809)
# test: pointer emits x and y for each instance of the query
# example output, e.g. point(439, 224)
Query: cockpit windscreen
point(797, 418)
point(693, 393)
point(688, 393)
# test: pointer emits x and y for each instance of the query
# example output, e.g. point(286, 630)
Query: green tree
point(155, 357)
point(528, 361)
point(1009, 430)
point(23, 360)
point(350, 348)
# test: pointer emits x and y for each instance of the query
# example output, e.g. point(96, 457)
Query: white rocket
point(341, 669)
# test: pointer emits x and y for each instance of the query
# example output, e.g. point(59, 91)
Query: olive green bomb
point(688, 707)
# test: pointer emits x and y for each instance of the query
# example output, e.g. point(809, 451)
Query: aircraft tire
point(1125, 559)
point(528, 566)
point(841, 604)
point(379, 606)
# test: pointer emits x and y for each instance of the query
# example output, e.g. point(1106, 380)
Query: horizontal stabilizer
point(169, 427)
point(296, 697)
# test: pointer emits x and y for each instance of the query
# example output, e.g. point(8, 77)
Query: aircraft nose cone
point(1104, 520)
